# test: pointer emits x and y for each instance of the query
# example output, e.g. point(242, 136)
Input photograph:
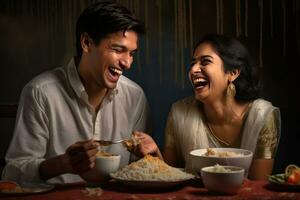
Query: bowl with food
point(107, 163)
point(223, 179)
point(223, 156)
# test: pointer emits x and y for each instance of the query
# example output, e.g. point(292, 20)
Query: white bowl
point(107, 164)
point(199, 160)
point(223, 182)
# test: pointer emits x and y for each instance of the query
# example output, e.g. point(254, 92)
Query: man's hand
point(81, 156)
point(146, 145)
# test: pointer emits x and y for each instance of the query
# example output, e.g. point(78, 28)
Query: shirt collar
point(74, 78)
point(112, 93)
point(77, 84)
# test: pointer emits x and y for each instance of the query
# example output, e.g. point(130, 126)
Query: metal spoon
point(109, 142)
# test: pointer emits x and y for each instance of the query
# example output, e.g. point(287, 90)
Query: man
point(62, 111)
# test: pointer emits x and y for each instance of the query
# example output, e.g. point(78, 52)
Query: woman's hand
point(146, 145)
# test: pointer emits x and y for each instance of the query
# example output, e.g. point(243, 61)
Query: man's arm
point(29, 143)
point(25, 157)
point(55, 167)
point(78, 159)
point(146, 145)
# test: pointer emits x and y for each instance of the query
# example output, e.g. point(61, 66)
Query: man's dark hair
point(103, 18)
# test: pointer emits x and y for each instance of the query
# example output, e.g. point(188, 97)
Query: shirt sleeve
point(268, 137)
point(29, 143)
point(143, 120)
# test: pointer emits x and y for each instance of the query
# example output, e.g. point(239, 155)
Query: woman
point(226, 110)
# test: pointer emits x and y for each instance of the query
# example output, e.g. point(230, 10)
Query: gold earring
point(231, 91)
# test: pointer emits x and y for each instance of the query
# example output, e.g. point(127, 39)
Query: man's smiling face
point(111, 57)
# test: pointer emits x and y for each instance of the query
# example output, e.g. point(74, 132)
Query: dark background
point(38, 35)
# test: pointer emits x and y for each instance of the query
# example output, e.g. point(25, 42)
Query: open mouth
point(115, 71)
point(199, 82)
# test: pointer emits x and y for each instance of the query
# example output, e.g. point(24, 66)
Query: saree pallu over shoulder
point(189, 128)
point(255, 121)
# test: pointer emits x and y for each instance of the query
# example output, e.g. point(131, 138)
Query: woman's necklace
point(216, 137)
point(211, 130)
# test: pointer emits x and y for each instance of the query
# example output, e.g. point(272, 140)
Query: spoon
point(109, 142)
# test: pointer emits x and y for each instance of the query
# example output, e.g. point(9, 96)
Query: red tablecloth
point(189, 191)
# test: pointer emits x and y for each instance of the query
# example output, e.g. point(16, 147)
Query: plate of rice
point(151, 172)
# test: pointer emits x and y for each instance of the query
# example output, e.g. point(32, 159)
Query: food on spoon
point(151, 168)
point(104, 154)
point(130, 144)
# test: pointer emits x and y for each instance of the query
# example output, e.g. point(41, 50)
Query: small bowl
point(200, 160)
point(223, 182)
point(106, 164)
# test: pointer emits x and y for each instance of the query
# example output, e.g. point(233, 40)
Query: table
point(192, 190)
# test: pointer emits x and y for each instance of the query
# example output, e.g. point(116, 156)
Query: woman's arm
point(260, 169)
point(265, 152)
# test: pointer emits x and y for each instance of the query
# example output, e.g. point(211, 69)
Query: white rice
point(214, 153)
point(151, 169)
point(219, 168)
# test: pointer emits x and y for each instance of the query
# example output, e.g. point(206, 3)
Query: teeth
point(198, 80)
point(118, 71)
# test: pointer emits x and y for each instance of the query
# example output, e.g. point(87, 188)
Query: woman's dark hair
point(103, 18)
point(235, 56)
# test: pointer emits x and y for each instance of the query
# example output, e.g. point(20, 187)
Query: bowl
point(106, 163)
point(228, 180)
point(222, 156)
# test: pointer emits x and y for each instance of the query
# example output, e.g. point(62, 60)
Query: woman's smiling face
point(207, 74)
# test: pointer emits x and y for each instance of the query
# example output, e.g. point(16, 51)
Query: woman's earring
point(231, 90)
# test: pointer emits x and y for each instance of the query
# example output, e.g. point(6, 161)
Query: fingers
point(82, 146)
point(146, 144)
point(140, 135)
point(82, 155)
point(84, 165)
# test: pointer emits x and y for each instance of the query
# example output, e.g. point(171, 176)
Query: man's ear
point(234, 74)
point(85, 41)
